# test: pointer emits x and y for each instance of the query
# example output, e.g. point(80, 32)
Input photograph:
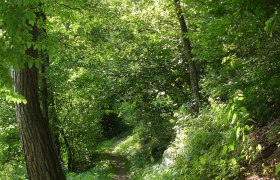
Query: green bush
point(102, 171)
point(13, 170)
point(215, 144)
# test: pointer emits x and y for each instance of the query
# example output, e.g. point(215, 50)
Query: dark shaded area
point(90, 162)
point(112, 125)
point(266, 161)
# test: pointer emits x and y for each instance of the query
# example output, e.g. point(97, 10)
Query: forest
point(139, 89)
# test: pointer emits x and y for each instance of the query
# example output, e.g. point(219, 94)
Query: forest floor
point(111, 165)
point(119, 165)
point(264, 166)
point(105, 163)
point(118, 162)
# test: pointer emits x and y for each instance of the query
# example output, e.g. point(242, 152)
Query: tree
point(188, 55)
point(41, 159)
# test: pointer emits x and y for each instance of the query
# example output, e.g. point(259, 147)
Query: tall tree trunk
point(41, 160)
point(45, 64)
point(47, 101)
point(48, 96)
point(188, 55)
point(44, 90)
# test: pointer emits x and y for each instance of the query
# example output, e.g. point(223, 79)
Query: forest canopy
point(147, 89)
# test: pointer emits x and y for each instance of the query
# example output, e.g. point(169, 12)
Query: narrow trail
point(120, 167)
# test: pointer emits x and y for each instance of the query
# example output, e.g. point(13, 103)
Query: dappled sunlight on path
point(119, 166)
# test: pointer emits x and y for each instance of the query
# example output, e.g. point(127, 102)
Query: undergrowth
point(103, 167)
point(102, 171)
point(213, 145)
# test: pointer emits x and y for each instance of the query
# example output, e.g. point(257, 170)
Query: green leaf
point(32, 22)
point(37, 64)
point(243, 135)
point(240, 98)
point(277, 169)
point(229, 114)
point(247, 128)
point(232, 107)
point(232, 64)
point(28, 44)
point(234, 117)
point(259, 148)
point(202, 160)
point(224, 150)
point(251, 120)
point(238, 132)
point(233, 161)
point(244, 110)
point(231, 147)
point(30, 64)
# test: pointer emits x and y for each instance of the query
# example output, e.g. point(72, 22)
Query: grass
point(103, 163)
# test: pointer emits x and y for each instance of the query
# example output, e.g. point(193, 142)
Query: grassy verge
point(103, 167)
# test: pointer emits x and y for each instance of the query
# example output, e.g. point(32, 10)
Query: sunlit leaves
point(277, 169)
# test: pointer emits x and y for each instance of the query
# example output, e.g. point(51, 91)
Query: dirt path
point(120, 167)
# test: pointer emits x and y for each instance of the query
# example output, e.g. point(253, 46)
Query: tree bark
point(44, 91)
point(48, 101)
point(188, 55)
point(48, 96)
point(41, 160)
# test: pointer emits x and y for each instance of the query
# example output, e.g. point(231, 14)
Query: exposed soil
point(264, 167)
point(120, 167)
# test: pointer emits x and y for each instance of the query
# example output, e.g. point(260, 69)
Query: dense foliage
point(118, 80)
